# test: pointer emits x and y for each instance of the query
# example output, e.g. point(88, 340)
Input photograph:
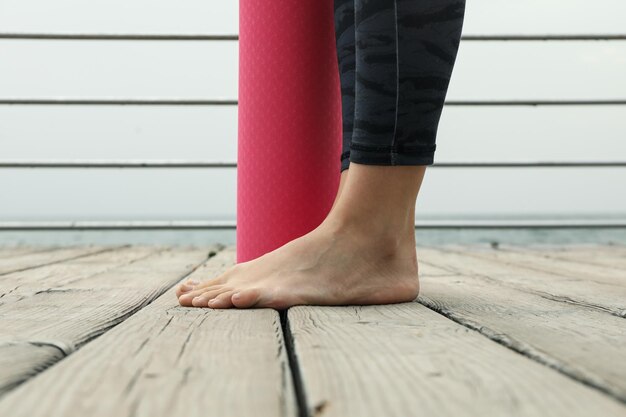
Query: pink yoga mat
point(289, 124)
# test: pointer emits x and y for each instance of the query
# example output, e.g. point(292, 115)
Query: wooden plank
point(577, 70)
point(82, 306)
point(13, 251)
point(20, 361)
point(603, 256)
point(536, 260)
point(146, 132)
point(28, 282)
point(403, 359)
point(26, 261)
point(197, 16)
point(564, 288)
point(522, 193)
point(169, 360)
point(583, 343)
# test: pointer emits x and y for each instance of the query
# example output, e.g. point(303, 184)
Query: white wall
point(486, 71)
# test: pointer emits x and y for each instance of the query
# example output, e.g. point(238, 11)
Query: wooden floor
point(510, 331)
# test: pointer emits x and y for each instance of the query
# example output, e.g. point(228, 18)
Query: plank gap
point(66, 350)
point(504, 340)
point(294, 367)
point(606, 300)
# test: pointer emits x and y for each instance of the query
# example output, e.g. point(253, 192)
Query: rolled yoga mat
point(289, 122)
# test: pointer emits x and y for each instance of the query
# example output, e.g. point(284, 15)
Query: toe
point(186, 298)
point(203, 299)
point(222, 278)
point(246, 298)
point(200, 301)
point(222, 301)
point(192, 286)
point(184, 288)
point(210, 283)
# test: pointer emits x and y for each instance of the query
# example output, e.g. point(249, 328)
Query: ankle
point(384, 239)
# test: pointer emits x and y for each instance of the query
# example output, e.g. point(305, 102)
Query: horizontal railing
point(233, 37)
point(231, 225)
point(227, 164)
point(63, 101)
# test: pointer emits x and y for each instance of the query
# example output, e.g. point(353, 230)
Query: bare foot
point(362, 253)
point(334, 264)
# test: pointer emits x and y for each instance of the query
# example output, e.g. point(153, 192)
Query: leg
point(364, 251)
point(405, 52)
point(346, 58)
point(402, 53)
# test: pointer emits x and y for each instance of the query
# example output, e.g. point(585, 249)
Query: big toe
point(246, 298)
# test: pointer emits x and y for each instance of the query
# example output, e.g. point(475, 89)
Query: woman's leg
point(346, 58)
point(364, 251)
point(405, 52)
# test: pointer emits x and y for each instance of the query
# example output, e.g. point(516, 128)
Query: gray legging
point(395, 63)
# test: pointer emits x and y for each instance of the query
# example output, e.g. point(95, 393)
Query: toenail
point(236, 295)
point(192, 282)
point(186, 287)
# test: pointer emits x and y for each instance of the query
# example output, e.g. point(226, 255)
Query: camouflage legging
point(395, 63)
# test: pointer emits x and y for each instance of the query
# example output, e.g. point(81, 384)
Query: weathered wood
point(20, 361)
point(583, 343)
point(21, 283)
point(169, 360)
point(81, 306)
point(536, 261)
point(603, 296)
point(404, 359)
point(602, 256)
point(13, 251)
point(37, 259)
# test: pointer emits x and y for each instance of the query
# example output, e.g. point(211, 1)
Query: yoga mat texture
point(289, 122)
